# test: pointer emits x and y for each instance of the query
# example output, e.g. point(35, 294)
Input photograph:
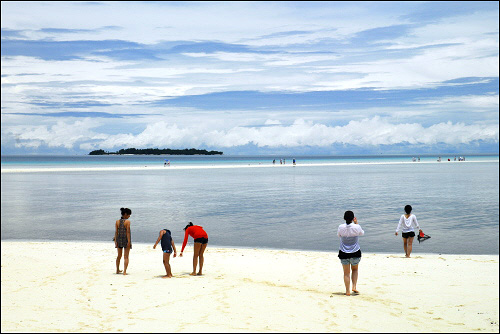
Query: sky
point(321, 78)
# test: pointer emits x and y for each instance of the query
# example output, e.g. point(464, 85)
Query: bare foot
point(124, 273)
point(347, 294)
point(119, 271)
point(199, 274)
point(166, 276)
point(355, 291)
point(193, 274)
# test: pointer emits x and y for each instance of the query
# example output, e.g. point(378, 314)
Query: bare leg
point(202, 250)
point(118, 259)
point(197, 247)
point(166, 263)
point(354, 277)
point(405, 245)
point(347, 279)
point(125, 261)
point(410, 246)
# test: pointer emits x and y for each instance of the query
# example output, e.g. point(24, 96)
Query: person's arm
point(399, 225)
point(416, 223)
point(186, 235)
point(162, 232)
point(128, 234)
point(173, 246)
point(360, 230)
point(116, 234)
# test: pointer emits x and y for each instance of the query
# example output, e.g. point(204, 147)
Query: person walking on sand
point(407, 222)
point(167, 243)
point(350, 251)
point(123, 239)
point(200, 244)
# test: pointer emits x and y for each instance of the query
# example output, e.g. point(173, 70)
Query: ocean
point(246, 201)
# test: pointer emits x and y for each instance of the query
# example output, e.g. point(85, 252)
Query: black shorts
point(201, 240)
point(408, 235)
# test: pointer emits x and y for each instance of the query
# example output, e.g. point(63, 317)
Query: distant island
point(156, 151)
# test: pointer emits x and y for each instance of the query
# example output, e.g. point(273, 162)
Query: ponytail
point(125, 211)
point(348, 217)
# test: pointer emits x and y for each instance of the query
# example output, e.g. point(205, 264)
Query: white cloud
point(292, 47)
point(471, 103)
point(367, 132)
point(61, 134)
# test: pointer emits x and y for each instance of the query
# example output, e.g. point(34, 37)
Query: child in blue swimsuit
point(167, 243)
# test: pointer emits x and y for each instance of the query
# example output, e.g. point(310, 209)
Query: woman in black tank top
point(123, 239)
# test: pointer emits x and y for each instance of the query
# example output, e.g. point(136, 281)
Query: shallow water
point(457, 204)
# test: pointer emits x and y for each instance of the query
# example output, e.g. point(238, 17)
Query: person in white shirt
point(349, 250)
point(407, 222)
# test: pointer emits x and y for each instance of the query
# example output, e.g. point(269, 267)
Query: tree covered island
point(156, 151)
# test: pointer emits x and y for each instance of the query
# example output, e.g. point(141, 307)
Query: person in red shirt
point(200, 244)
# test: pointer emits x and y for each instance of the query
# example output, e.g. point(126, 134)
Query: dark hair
point(348, 217)
point(408, 209)
point(188, 225)
point(125, 211)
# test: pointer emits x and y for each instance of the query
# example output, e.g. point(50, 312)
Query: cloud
point(249, 71)
point(61, 50)
point(11, 33)
point(333, 101)
point(432, 11)
point(368, 132)
point(66, 114)
point(61, 134)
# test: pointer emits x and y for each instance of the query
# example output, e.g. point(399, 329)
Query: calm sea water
point(456, 203)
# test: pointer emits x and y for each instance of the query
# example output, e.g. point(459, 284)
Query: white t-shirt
point(407, 223)
point(349, 237)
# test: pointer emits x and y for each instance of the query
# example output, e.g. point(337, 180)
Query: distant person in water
point(123, 239)
point(349, 250)
point(200, 244)
point(167, 244)
point(408, 221)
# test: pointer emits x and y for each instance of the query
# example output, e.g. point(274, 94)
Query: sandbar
point(8, 170)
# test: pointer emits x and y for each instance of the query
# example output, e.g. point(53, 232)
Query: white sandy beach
point(160, 166)
point(72, 287)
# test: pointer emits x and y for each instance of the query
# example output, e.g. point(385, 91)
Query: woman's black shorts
point(201, 240)
point(408, 235)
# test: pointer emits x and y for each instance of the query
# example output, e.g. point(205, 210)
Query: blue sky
point(250, 77)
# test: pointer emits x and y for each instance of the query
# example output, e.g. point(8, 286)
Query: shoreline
point(222, 166)
point(75, 289)
point(332, 251)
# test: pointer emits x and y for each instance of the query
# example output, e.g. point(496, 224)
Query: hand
point(154, 247)
point(355, 220)
point(180, 255)
point(396, 233)
point(175, 254)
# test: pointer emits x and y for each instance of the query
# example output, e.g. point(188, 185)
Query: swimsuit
point(122, 240)
point(166, 242)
